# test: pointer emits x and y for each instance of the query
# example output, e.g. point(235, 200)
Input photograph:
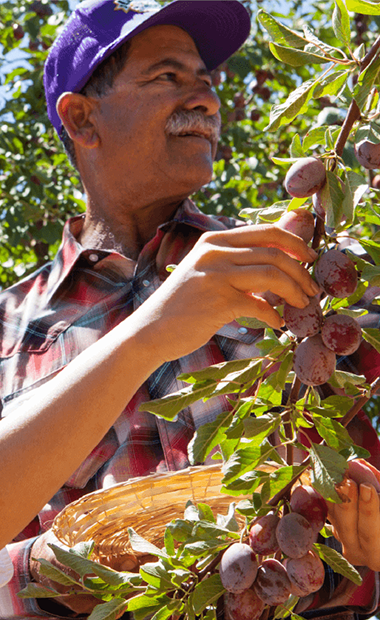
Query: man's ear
point(76, 114)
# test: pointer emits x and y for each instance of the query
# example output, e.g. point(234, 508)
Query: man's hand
point(356, 522)
point(77, 601)
point(221, 280)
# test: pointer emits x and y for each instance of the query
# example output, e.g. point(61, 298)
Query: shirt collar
point(71, 250)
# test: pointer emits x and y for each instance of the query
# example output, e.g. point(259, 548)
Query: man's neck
point(126, 232)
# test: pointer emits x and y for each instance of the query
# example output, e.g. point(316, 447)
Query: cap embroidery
point(137, 6)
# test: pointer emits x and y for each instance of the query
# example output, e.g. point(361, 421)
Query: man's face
point(163, 84)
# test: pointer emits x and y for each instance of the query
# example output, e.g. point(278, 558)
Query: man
point(104, 328)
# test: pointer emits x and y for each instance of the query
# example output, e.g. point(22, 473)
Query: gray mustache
point(194, 121)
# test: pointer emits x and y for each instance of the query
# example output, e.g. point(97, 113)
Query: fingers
point(344, 518)
point(282, 264)
point(256, 307)
point(268, 235)
point(369, 524)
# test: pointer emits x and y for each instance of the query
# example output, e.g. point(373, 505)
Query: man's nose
point(203, 99)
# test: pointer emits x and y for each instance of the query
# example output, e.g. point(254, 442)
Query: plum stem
point(351, 413)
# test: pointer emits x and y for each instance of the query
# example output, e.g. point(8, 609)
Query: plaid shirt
point(50, 317)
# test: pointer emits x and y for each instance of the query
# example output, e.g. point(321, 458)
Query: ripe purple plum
point(300, 222)
point(306, 574)
point(295, 535)
point(304, 322)
point(310, 504)
point(368, 154)
point(238, 568)
point(305, 177)
point(314, 363)
point(336, 274)
point(272, 583)
point(262, 535)
point(342, 334)
point(243, 606)
point(361, 472)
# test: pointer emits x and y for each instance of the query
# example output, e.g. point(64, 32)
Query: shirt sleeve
point(11, 606)
point(6, 567)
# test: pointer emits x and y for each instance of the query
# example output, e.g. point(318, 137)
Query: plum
point(360, 472)
point(304, 322)
point(305, 177)
point(295, 535)
point(243, 606)
point(336, 274)
point(262, 534)
point(368, 154)
point(306, 574)
point(238, 568)
point(300, 222)
point(314, 363)
point(272, 583)
point(310, 504)
point(342, 334)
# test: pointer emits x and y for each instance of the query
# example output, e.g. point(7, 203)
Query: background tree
point(305, 84)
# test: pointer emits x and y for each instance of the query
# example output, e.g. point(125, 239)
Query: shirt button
point(146, 283)
point(243, 330)
point(93, 258)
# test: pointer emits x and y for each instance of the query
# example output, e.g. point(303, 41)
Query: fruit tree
point(300, 150)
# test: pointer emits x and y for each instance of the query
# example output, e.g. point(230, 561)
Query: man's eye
point(169, 75)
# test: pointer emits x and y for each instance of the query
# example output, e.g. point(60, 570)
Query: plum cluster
point(323, 338)
point(254, 580)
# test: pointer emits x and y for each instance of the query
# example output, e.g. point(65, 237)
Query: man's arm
point(215, 284)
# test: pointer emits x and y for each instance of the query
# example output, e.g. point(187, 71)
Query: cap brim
point(218, 27)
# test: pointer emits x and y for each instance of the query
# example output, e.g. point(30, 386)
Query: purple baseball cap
point(97, 27)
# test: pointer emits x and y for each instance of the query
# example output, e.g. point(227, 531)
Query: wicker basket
point(146, 504)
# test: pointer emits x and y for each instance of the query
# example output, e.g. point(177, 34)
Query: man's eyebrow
point(173, 64)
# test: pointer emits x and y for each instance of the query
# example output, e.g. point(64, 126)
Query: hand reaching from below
point(356, 522)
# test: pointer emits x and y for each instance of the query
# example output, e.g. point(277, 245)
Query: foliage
point(293, 91)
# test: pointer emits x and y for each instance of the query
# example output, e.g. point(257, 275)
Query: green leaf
point(165, 612)
point(139, 544)
point(295, 58)
point(296, 149)
point(372, 336)
point(341, 379)
point(261, 427)
point(53, 573)
point(366, 81)
point(314, 137)
point(279, 32)
point(170, 406)
point(328, 468)
point(295, 104)
point(144, 605)
point(246, 459)
point(156, 575)
point(332, 197)
point(207, 437)
point(207, 592)
point(341, 23)
point(34, 590)
point(83, 567)
point(200, 547)
point(331, 85)
point(363, 6)
point(217, 372)
point(372, 248)
point(335, 435)
point(338, 563)
point(108, 611)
